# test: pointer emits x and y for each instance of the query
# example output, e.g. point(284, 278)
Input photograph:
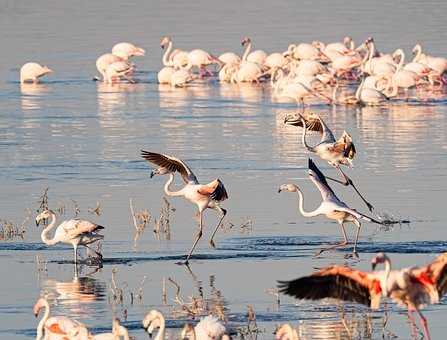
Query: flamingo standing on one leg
point(331, 207)
point(203, 195)
point(410, 287)
point(335, 152)
point(75, 232)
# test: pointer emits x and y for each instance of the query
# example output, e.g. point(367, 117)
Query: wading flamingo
point(75, 232)
point(153, 320)
point(438, 64)
point(117, 70)
point(331, 207)
point(129, 49)
point(203, 195)
point(32, 72)
point(57, 327)
point(411, 287)
point(118, 331)
point(335, 152)
point(257, 57)
point(105, 60)
point(208, 328)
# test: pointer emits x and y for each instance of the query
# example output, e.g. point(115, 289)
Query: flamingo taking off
point(203, 195)
point(57, 327)
point(32, 72)
point(335, 152)
point(75, 232)
point(411, 287)
point(331, 207)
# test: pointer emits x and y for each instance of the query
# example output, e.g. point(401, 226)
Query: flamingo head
point(288, 187)
point(187, 332)
point(160, 171)
point(416, 48)
point(379, 258)
point(245, 41)
point(347, 40)
point(164, 42)
point(44, 215)
point(38, 306)
point(294, 119)
point(152, 321)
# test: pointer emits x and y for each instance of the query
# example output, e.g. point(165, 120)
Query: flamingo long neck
point(418, 49)
point(247, 51)
point(42, 321)
point(161, 331)
point(168, 191)
point(387, 275)
point(44, 235)
point(166, 61)
point(401, 61)
point(303, 138)
point(359, 89)
point(301, 206)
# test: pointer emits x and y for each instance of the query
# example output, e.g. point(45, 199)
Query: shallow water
point(82, 140)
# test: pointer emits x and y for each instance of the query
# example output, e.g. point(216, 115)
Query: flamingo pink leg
point(198, 237)
point(424, 325)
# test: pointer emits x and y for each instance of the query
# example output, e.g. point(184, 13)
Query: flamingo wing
point(434, 274)
point(317, 177)
point(171, 164)
point(342, 283)
point(76, 227)
point(345, 146)
point(215, 189)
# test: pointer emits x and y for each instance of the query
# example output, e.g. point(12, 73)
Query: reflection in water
point(113, 97)
point(32, 95)
point(76, 296)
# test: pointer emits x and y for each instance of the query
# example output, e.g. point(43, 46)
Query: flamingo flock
point(305, 70)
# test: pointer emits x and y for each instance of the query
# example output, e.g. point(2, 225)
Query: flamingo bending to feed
point(105, 60)
point(57, 327)
point(410, 287)
point(229, 58)
point(331, 207)
point(335, 152)
point(208, 328)
point(203, 195)
point(32, 72)
point(201, 59)
point(128, 49)
point(118, 331)
point(75, 232)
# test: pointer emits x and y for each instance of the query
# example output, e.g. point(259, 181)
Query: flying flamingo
point(57, 327)
point(331, 207)
point(75, 232)
point(203, 195)
point(32, 72)
point(208, 328)
point(410, 287)
point(335, 152)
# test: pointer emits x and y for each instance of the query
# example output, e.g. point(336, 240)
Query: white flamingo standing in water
point(410, 287)
point(208, 328)
point(32, 72)
point(57, 327)
point(331, 207)
point(203, 195)
point(75, 232)
point(335, 152)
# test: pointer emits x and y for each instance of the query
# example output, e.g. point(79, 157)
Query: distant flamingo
point(203, 195)
point(176, 58)
point(335, 152)
point(208, 328)
point(32, 72)
point(117, 70)
point(129, 49)
point(75, 232)
point(57, 327)
point(257, 56)
point(411, 287)
point(438, 64)
point(201, 59)
point(105, 60)
point(331, 207)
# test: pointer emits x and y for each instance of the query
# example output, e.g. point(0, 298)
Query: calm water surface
point(82, 140)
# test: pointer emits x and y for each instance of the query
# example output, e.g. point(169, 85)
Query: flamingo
point(410, 287)
point(371, 96)
point(286, 332)
point(105, 60)
point(346, 47)
point(117, 70)
point(209, 328)
point(57, 327)
point(257, 57)
point(128, 49)
point(203, 195)
point(438, 64)
point(176, 58)
point(331, 207)
point(181, 78)
point(118, 331)
point(153, 320)
point(32, 72)
point(75, 232)
point(229, 58)
point(201, 59)
point(335, 152)
point(307, 51)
